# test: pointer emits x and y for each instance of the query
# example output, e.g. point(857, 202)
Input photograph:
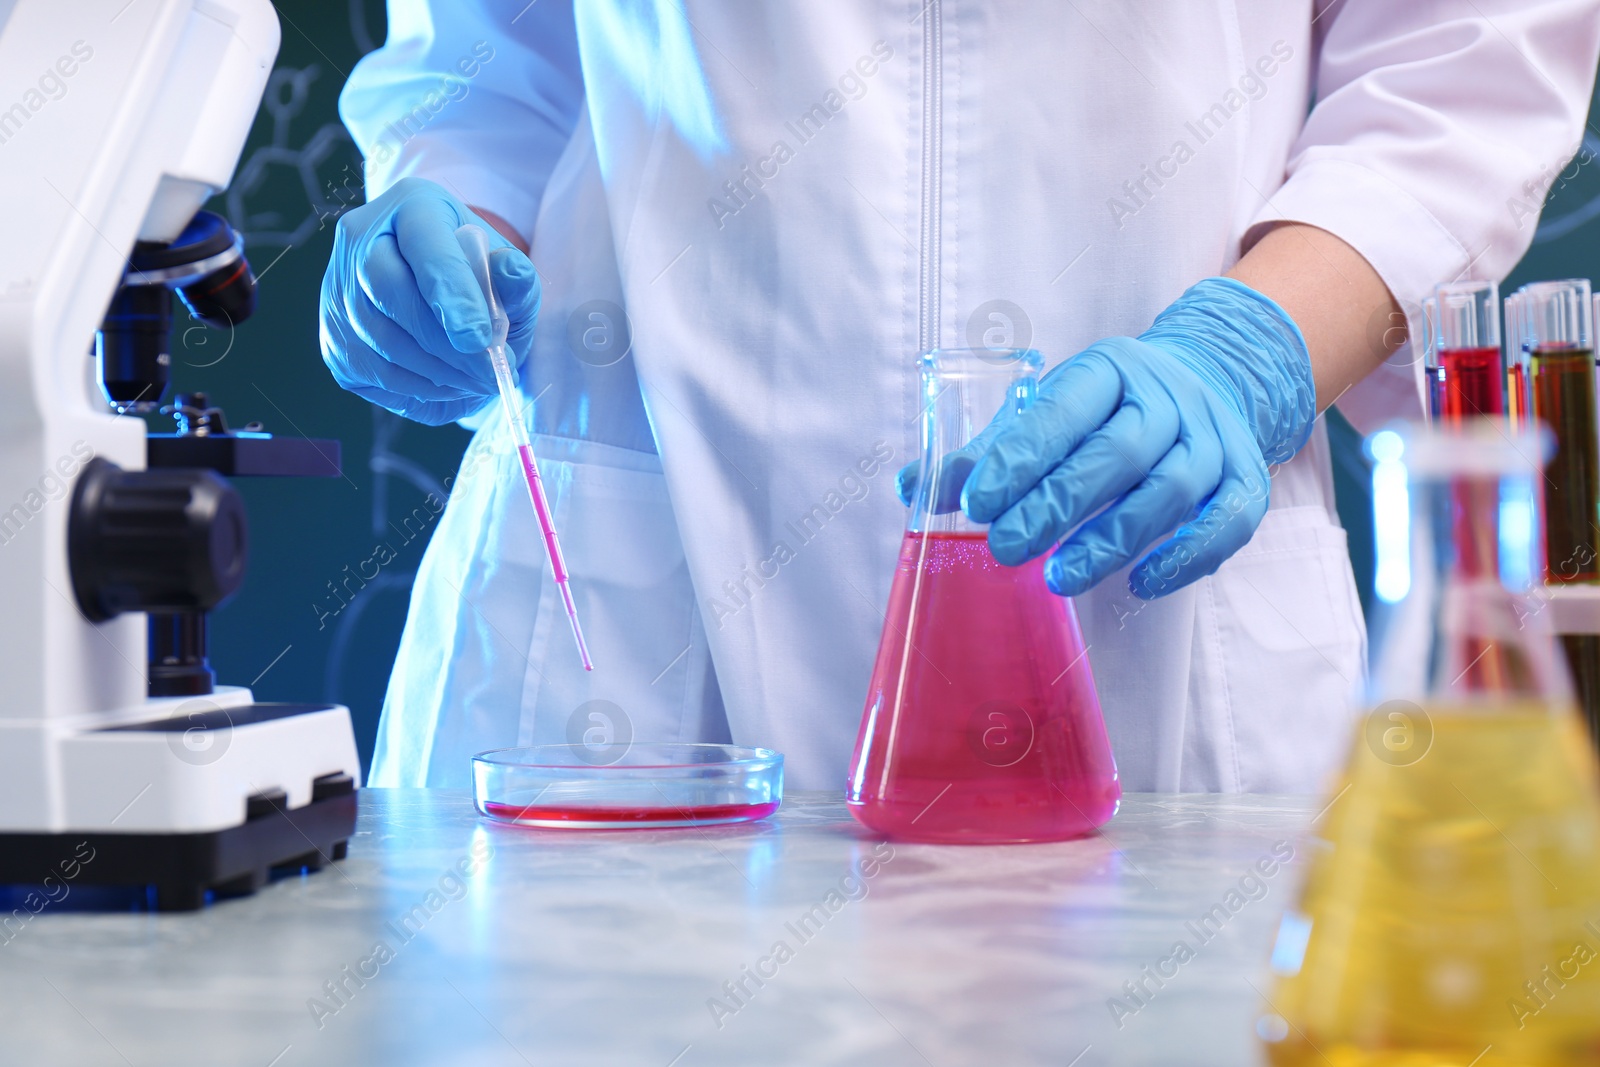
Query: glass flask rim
point(1477, 446)
point(670, 756)
point(981, 362)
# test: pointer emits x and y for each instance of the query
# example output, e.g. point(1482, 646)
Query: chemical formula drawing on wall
point(328, 151)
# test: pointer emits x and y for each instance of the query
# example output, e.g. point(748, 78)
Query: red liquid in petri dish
point(982, 723)
point(1474, 383)
point(622, 817)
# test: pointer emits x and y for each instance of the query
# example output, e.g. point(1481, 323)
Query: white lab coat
point(791, 199)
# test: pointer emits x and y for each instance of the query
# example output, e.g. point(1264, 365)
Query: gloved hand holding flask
point(1133, 438)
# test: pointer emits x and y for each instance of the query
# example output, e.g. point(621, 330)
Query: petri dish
point(642, 786)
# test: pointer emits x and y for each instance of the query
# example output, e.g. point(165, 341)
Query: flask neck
point(1473, 629)
point(967, 396)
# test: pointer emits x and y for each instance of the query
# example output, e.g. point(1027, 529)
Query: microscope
point(121, 759)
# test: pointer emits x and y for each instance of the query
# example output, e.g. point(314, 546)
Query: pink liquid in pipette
point(541, 507)
point(558, 565)
point(982, 721)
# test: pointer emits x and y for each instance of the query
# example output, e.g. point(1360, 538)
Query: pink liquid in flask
point(981, 723)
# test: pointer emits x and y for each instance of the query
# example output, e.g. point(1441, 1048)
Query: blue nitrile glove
point(1173, 427)
point(404, 323)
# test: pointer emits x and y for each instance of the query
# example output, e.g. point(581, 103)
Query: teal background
point(299, 171)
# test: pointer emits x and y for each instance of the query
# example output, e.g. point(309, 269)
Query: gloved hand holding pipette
point(404, 323)
point(429, 312)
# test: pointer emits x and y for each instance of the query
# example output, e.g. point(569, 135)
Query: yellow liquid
point(1450, 883)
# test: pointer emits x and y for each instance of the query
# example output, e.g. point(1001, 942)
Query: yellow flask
point(1451, 914)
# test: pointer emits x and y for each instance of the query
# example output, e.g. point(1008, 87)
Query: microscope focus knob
point(154, 540)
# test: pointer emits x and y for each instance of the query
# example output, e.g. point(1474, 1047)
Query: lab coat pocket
point(630, 581)
point(488, 660)
point(1290, 651)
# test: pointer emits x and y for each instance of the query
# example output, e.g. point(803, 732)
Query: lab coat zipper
point(932, 156)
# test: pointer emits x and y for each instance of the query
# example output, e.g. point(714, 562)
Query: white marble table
point(568, 948)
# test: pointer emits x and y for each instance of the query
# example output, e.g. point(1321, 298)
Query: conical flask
point(981, 723)
point(1451, 915)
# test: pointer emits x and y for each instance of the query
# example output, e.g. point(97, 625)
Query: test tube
point(1557, 323)
point(1466, 350)
point(1519, 379)
point(1467, 380)
point(1430, 358)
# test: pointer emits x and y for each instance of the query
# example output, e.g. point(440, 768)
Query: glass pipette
point(475, 243)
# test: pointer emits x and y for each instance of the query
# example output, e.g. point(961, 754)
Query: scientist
point(749, 217)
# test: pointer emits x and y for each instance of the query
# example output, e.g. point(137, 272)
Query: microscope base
point(182, 867)
point(186, 795)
